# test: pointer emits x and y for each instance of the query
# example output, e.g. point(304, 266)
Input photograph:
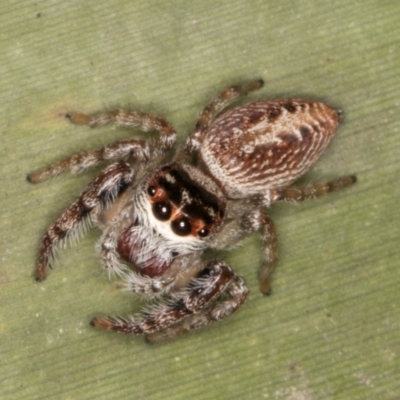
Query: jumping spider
point(159, 212)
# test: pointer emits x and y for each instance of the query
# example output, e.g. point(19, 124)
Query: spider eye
point(203, 232)
point(181, 226)
point(151, 191)
point(162, 211)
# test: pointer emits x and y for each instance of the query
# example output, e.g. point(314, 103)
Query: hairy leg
point(197, 299)
point(268, 231)
point(268, 235)
point(135, 120)
point(312, 191)
point(100, 192)
point(237, 293)
point(136, 149)
point(258, 220)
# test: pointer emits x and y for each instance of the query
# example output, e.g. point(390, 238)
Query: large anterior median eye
point(162, 210)
point(181, 226)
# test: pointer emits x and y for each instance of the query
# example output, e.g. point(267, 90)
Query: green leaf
point(330, 329)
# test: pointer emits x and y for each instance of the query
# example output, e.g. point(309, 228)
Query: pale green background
point(331, 328)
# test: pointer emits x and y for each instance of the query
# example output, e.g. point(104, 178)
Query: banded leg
point(237, 292)
point(137, 149)
point(258, 220)
point(131, 148)
point(207, 116)
point(268, 235)
point(77, 218)
point(312, 191)
point(236, 230)
point(268, 229)
point(135, 120)
point(195, 300)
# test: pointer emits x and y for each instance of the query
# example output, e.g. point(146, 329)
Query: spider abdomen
point(267, 144)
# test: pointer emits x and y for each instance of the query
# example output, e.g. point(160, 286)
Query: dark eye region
point(179, 200)
point(180, 224)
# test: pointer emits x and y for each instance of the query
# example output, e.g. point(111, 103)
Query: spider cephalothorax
point(157, 218)
point(175, 211)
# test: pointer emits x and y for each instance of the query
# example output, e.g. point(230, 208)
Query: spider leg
point(268, 236)
point(198, 302)
point(268, 232)
point(77, 218)
point(130, 148)
point(236, 230)
point(258, 220)
point(310, 192)
point(136, 149)
point(210, 112)
point(237, 292)
point(135, 120)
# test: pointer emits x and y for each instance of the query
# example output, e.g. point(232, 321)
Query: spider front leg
point(237, 292)
point(190, 308)
point(76, 219)
point(135, 149)
point(135, 120)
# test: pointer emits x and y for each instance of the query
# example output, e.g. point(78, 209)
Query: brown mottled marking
point(283, 144)
point(289, 107)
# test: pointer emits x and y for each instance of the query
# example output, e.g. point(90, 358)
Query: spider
point(159, 210)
